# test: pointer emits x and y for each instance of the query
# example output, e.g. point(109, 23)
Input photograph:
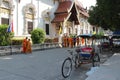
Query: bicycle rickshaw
point(83, 55)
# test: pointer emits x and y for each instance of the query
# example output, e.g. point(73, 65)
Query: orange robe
point(77, 39)
point(70, 42)
point(24, 45)
point(29, 50)
point(65, 41)
point(83, 41)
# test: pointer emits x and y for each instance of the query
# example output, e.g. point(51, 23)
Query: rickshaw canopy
point(85, 35)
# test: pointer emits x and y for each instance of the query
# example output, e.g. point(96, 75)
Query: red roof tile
point(63, 6)
point(59, 17)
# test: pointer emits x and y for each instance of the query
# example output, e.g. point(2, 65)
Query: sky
point(88, 3)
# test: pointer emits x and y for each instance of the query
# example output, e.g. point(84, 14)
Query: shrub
point(47, 40)
point(17, 41)
point(5, 37)
point(38, 36)
point(55, 40)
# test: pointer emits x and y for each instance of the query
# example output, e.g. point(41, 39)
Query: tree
point(106, 14)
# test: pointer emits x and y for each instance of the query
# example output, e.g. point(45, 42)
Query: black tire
point(66, 67)
point(96, 60)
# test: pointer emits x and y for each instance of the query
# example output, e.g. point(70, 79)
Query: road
point(40, 65)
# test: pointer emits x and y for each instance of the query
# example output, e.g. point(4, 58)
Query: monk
point(28, 48)
point(70, 42)
point(24, 45)
point(65, 41)
point(83, 41)
point(77, 40)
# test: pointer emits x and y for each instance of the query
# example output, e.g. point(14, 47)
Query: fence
point(16, 49)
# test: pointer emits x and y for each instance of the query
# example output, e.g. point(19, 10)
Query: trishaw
point(83, 55)
point(105, 44)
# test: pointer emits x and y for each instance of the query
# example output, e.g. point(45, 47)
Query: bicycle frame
point(72, 55)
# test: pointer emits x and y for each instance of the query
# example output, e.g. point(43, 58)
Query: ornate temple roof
point(63, 7)
point(60, 17)
point(67, 7)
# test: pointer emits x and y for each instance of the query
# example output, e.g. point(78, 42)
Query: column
point(25, 26)
point(60, 35)
point(73, 28)
point(11, 15)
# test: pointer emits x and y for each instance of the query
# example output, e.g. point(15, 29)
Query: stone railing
point(16, 49)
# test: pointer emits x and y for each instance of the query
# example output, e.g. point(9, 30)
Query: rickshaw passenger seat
point(86, 52)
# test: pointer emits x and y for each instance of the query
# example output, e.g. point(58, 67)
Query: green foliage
point(99, 35)
point(5, 37)
point(47, 40)
point(17, 41)
point(38, 36)
point(106, 14)
point(94, 19)
point(72, 35)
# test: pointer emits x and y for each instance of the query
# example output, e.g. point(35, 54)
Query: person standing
point(65, 41)
point(83, 41)
point(74, 41)
point(24, 45)
point(77, 40)
point(111, 43)
point(28, 48)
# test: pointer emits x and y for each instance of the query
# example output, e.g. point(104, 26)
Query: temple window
point(30, 26)
point(76, 31)
point(5, 21)
point(69, 31)
point(30, 17)
point(47, 28)
point(5, 12)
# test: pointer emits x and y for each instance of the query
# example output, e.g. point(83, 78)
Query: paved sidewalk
point(110, 70)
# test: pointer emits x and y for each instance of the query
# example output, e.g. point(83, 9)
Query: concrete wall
point(41, 6)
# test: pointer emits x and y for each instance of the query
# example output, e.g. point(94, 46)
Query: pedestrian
point(77, 40)
point(24, 45)
point(70, 42)
point(74, 41)
point(65, 41)
point(28, 48)
point(83, 41)
point(111, 43)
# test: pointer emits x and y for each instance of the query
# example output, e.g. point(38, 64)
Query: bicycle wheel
point(66, 67)
point(96, 60)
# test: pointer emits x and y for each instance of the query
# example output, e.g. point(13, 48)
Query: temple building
point(56, 17)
